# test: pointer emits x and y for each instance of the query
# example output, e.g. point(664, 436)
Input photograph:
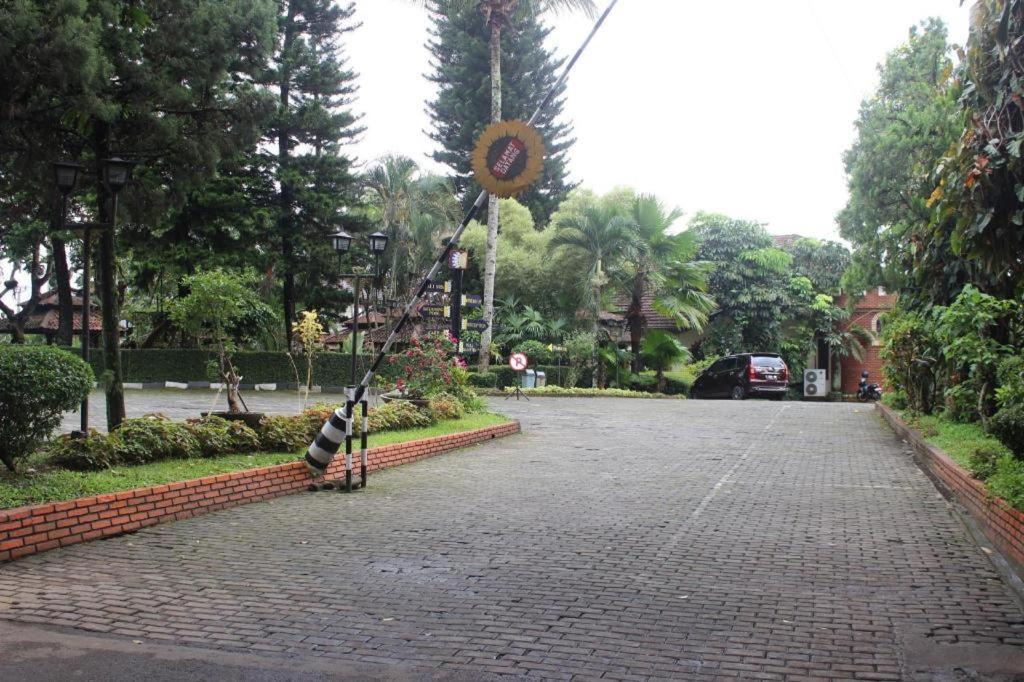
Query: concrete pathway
point(614, 539)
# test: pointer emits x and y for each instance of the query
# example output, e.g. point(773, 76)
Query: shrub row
point(256, 367)
point(154, 437)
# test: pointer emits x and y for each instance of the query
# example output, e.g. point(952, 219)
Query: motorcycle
point(867, 392)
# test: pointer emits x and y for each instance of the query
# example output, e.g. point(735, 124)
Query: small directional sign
point(472, 300)
point(475, 325)
point(436, 311)
point(439, 288)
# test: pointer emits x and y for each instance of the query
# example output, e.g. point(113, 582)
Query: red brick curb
point(42, 527)
point(1002, 524)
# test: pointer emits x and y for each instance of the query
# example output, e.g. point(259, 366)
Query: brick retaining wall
point(42, 527)
point(1002, 524)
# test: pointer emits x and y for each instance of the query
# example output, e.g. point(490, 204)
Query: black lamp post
point(342, 244)
point(378, 245)
point(65, 176)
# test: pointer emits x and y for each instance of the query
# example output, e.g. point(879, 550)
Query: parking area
point(613, 539)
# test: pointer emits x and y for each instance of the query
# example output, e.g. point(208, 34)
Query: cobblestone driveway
point(623, 539)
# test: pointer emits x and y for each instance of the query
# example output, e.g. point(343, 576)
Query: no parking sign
point(518, 362)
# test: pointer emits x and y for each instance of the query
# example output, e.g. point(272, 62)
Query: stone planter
point(251, 419)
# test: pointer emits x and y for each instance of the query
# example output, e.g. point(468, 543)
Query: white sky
point(741, 107)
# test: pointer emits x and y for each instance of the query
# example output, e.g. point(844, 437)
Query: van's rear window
point(762, 361)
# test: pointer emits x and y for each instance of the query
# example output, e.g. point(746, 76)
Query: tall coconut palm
point(601, 233)
point(663, 267)
point(500, 15)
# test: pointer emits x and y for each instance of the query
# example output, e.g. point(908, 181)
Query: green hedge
point(256, 367)
point(556, 376)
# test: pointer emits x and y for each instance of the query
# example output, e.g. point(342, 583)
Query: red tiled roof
point(784, 240)
point(47, 321)
point(654, 320)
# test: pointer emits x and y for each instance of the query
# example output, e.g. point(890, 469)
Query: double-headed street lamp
point(342, 243)
point(116, 173)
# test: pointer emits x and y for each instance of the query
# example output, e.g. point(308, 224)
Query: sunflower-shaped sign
point(508, 158)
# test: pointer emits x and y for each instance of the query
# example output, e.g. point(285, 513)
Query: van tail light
point(784, 374)
point(751, 372)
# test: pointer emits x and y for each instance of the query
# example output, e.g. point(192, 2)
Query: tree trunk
point(65, 305)
point(109, 307)
point(661, 380)
point(597, 379)
point(231, 381)
point(286, 191)
point(491, 257)
point(635, 319)
point(8, 462)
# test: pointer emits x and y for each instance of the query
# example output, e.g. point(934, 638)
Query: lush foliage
point(45, 483)
point(977, 224)
point(662, 351)
point(37, 385)
point(558, 391)
point(428, 367)
point(216, 311)
point(903, 129)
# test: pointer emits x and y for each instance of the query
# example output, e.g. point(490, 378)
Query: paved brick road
point(614, 539)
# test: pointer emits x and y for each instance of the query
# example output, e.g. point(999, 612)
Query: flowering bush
point(429, 367)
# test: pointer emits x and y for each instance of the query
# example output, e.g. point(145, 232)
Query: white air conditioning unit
point(815, 383)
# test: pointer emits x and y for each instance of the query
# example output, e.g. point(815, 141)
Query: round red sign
point(518, 362)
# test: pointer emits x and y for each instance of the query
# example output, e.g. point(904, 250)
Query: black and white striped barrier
point(327, 443)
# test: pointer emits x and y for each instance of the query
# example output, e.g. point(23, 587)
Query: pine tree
point(462, 108)
point(170, 84)
point(314, 88)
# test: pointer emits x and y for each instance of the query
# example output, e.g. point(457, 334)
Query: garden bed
point(213, 484)
point(1001, 523)
point(559, 392)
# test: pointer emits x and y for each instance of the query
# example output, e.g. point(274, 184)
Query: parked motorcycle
point(868, 392)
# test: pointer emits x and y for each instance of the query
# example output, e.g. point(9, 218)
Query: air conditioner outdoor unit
point(815, 383)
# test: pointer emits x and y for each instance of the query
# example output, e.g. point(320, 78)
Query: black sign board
point(475, 325)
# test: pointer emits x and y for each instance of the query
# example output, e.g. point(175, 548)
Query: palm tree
point(390, 184)
point(663, 265)
point(414, 209)
point(661, 351)
point(601, 233)
point(499, 15)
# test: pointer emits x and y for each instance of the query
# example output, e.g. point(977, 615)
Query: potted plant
point(427, 367)
point(220, 309)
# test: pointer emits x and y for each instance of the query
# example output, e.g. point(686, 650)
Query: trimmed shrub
point(445, 406)
point(1008, 426)
point(536, 351)
point(256, 367)
point(37, 385)
point(483, 379)
point(218, 436)
point(397, 415)
point(153, 438)
point(81, 454)
point(286, 434)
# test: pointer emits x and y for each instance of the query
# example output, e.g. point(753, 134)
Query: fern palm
point(662, 265)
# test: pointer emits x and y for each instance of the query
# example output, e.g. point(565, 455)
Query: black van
point(742, 376)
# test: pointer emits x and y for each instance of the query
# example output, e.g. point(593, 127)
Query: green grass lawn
point(36, 484)
point(957, 440)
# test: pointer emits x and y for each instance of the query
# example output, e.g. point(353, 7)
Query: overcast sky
point(741, 107)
